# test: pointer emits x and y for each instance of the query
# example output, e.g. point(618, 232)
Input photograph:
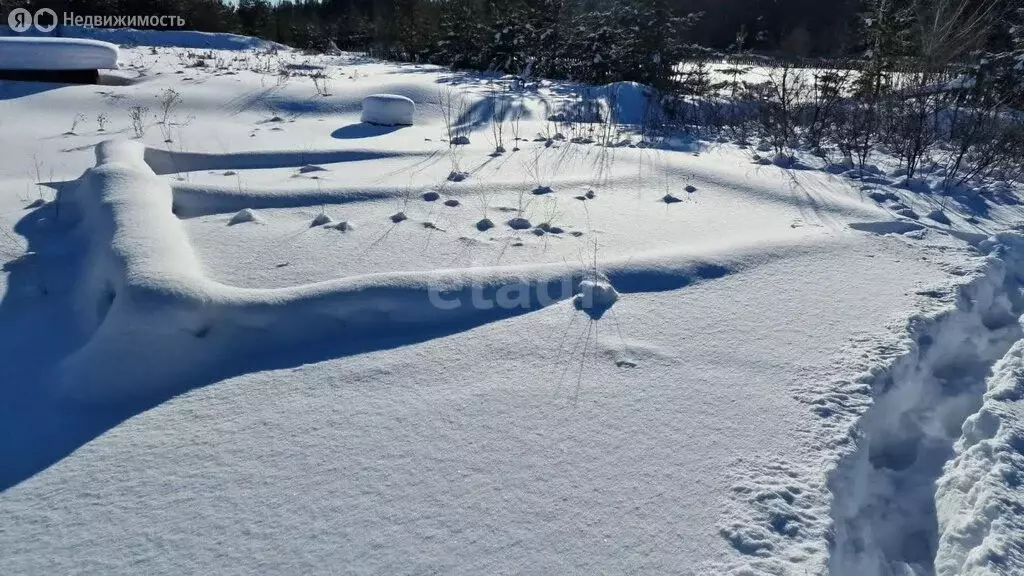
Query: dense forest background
point(454, 29)
point(599, 41)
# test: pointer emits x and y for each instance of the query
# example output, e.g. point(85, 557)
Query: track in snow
point(884, 491)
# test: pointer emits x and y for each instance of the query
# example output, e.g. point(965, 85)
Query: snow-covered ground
point(253, 334)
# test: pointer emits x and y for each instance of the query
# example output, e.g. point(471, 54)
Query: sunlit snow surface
point(221, 352)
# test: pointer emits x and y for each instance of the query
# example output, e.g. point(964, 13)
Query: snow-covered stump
point(388, 110)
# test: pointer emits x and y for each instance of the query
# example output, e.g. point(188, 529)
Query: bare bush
point(137, 116)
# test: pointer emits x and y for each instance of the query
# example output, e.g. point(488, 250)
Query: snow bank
point(388, 110)
point(24, 53)
point(979, 499)
point(630, 102)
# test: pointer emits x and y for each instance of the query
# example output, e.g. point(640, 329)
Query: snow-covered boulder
point(388, 110)
point(23, 53)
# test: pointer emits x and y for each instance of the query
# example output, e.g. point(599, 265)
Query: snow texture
point(791, 371)
point(979, 498)
point(25, 53)
point(388, 110)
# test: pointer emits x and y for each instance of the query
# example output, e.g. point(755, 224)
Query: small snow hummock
point(388, 110)
point(595, 297)
point(245, 215)
point(519, 223)
point(939, 216)
point(321, 219)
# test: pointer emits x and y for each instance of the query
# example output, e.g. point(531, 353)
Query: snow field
point(738, 396)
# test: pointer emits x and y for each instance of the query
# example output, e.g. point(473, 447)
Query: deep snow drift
point(254, 333)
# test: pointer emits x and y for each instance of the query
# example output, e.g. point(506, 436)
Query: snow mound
point(245, 215)
point(939, 216)
point(595, 297)
point(322, 219)
point(388, 110)
point(519, 223)
point(23, 53)
point(630, 102)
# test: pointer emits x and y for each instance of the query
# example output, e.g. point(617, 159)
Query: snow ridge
point(156, 325)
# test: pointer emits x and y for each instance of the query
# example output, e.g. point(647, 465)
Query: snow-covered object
point(519, 223)
point(245, 215)
point(322, 219)
point(388, 110)
point(595, 295)
point(939, 216)
point(163, 38)
point(24, 53)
